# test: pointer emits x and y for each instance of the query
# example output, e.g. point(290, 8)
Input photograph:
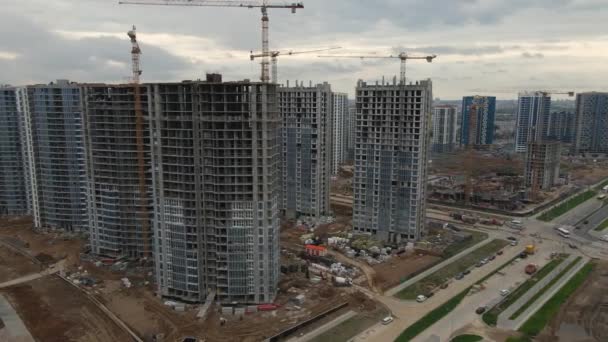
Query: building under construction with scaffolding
point(542, 165)
point(392, 138)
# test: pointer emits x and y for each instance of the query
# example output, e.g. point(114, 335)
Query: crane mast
point(139, 140)
point(264, 5)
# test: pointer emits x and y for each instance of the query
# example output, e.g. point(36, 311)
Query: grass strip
point(544, 289)
point(536, 323)
point(467, 338)
point(566, 206)
point(434, 280)
point(491, 316)
point(602, 226)
point(431, 318)
point(456, 248)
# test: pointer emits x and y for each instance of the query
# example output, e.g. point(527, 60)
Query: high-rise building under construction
point(307, 148)
point(391, 153)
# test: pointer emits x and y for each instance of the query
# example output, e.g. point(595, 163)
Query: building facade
point(55, 136)
point(444, 129)
point(392, 138)
point(307, 148)
point(533, 117)
point(477, 121)
point(13, 199)
point(591, 122)
point(119, 214)
point(542, 165)
point(562, 127)
point(350, 133)
point(216, 183)
point(340, 128)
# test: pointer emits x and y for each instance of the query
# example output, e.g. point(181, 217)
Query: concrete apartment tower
point(307, 148)
point(392, 139)
point(478, 117)
point(115, 209)
point(533, 117)
point(350, 133)
point(57, 183)
point(340, 112)
point(591, 132)
point(563, 127)
point(444, 129)
point(13, 198)
point(216, 184)
point(533, 138)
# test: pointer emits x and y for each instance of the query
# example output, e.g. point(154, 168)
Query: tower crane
point(264, 5)
point(275, 54)
point(402, 56)
point(139, 139)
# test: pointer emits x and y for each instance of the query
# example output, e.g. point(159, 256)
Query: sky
point(487, 47)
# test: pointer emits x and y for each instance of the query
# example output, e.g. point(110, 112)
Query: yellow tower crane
point(264, 5)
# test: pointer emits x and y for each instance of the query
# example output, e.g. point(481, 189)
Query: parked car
point(459, 276)
point(465, 272)
point(513, 243)
point(479, 264)
point(512, 238)
point(492, 257)
point(480, 310)
point(421, 298)
point(387, 320)
point(499, 253)
point(504, 292)
point(444, 286)
point(523, 255)
point(573, 246)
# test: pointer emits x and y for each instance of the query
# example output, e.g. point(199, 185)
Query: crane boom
point(402, 56)
point(264, 5)
point(274, 54)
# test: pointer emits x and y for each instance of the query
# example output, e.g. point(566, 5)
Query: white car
point(387, 320)
point(504, 292)
point(421, 298)
point(605, 237)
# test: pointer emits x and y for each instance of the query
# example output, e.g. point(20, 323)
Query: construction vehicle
point(403, 57)
point(264, 6)
point(275, 54)
point(530, 249)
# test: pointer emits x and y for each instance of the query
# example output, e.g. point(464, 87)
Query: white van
point(516, 222)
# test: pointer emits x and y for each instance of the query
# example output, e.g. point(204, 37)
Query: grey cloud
point(451, 50)
point(532, 55)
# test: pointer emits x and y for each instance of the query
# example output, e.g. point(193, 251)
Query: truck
point(341, 281)
point(530, 269)
point(530, 249)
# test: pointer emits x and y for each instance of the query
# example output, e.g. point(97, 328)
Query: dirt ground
point(584, 317)
point(53, 311)
point(14, 265)
point(390, 273)
point(588, 175)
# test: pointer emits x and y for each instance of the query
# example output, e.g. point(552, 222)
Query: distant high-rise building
point(562, 126)
point(591, 122)
point(444, 129)
point(13, 199)
point(478, 117)
point(533, 117)
point(116, 211)
point(391, 154)
point(55, 136)
point(307, 148)
point(340, 103)
point(216, 184)
point(350, 133)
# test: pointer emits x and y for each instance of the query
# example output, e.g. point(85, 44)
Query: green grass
point(566, 206)
point(535, 324)
point(467, 338)
point(546, 288)
point(350, 327)
point(602, 226)
point(491, 316)
point(430, 318)
point(458, 247)
point(430, 282)
point(519, 339)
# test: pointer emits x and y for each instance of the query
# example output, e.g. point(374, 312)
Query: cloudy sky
point(484, 46)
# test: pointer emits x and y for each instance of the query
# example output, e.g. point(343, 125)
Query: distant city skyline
point(511, 51)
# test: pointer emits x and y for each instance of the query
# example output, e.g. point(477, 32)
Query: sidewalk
point(506, 323)
point(437, 267)
point(323, 328)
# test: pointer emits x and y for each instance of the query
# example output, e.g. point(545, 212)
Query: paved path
point(14, 329)
point(437, 267)
point(503, 319)
point(547, 295)
point(51, 270)
point(323, 328)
